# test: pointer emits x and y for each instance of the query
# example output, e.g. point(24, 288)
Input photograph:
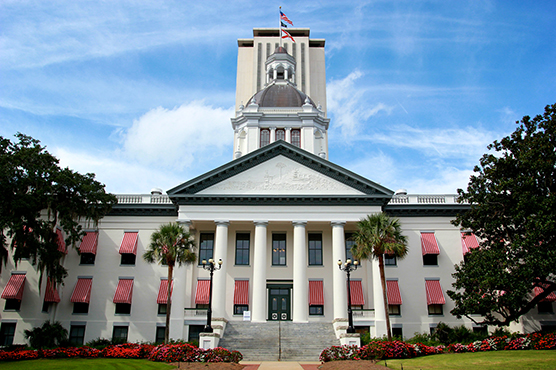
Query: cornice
point(430, 210)
point(160, 210)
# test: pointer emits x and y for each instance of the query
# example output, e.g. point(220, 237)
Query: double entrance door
point(279, 302)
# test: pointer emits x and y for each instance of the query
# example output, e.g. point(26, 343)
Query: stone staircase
point(278, 340)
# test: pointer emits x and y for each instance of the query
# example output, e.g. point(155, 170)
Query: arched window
point(265, 137)
point(296, 138)
point(280, 134)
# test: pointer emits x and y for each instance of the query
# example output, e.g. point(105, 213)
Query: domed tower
point(281, 111)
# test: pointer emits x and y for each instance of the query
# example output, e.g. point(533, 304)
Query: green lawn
point(507, 360)
point(85, 364)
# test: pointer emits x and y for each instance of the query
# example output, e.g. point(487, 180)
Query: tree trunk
point(168, 302)
point(384, 295)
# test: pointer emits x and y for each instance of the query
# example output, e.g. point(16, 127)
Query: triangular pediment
point(280, 170)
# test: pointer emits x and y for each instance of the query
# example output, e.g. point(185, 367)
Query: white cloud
point(444, 180)
point(346, 103)
point(179, 138)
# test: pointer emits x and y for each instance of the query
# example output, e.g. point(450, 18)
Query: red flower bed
point(189, 353)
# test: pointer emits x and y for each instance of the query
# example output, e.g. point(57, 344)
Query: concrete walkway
point(280, 365)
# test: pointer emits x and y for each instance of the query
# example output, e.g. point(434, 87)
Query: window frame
point(162, 309)
point(80, 308)
point(7, 333)
point(349, 244)
point(296, 137)
point(280, 134)
point(123, 309)
point(76, 340)
point(394, 310)
point(120, 328)
point(243, 249)
point(206, 251)
point(264, 137)
point(240, 308)
point(430, 259)
point(157, 338)
point(12, 304)
point(87, 259)
point(545, 307)
point(315, 249)
point(278, 253)
point(390, 260)
point(128, 259)
point(435, 309)
point(316, 310)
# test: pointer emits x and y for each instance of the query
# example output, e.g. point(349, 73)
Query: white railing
point(143, 198)
point(424, 199)
point(363, 313)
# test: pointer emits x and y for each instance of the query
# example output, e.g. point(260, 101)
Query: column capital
point(272, 128)
point(222, 222)
point(184, 222)
point(261, 223)
point(299, 223)
point(337, 223)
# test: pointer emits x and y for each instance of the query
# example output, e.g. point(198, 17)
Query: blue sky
point(141, 92)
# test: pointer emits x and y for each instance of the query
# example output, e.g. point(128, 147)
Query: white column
point(288, 135)
point(378, 301)
point(258, 302)
point(220, 276)
point(338, 276)
point(300, 283)
point(272, 134)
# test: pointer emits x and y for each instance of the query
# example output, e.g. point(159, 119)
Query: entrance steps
point(278, 340)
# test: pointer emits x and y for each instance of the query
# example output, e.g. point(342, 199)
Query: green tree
point(49, 335)
point(377, 235)
point(513, 213)
point(170, 244)
point(36, 197)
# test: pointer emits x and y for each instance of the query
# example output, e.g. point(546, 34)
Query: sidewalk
point(280, 365)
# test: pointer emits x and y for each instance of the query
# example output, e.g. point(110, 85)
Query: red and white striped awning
point(51, 294)
point(14, 288)
point(316, 293)
point(357, 298)
point(61, 242)
point(129, 243)
point(203, 291)
point(538, 290)
point(429, 245)
point(82, 291)
point(241, 292)
point(162, 297)
point(393, 292)
point(434, 292)
point(468, 242)
point(124, 291)
point(89, 243)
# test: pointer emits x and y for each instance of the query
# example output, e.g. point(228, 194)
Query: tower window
point(296, 138)
point(280, 134)
point(265, 137)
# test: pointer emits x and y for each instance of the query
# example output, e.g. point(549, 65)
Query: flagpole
point(280, 26)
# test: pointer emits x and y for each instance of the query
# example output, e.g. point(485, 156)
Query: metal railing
point(143, 199)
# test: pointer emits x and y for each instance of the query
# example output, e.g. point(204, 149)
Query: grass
point(507, 360)
point(85, 363)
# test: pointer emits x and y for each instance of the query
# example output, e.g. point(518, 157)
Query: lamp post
point(211, 266)
point(348, 267)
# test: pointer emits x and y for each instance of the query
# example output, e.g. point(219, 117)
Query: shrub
point(99, 343)
point(49, 335)
point(188, 353)
point(336, 353)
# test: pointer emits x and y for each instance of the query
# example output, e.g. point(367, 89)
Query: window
point(280, 134)
point(435, 309)
point(316, 310)
point(46, 306)
point(430, 259)
point(315, 249)
point(394, 309)
point(278, 249)
point(123, 308)
point(7, 332)
point(239, 308)
point(12, 304)
point(206, 247)
point(128, 259)
point(296, 138)
point(398, 333)
point(159, 336)
point(265, 137)
point(390, 260)
point(79, 307)
point(349, 244)
point(162, 308)
point(242, 248)
point(77, 335)
point(119, 334)
point(545, 307)
point(87, 259)
point(194, 331)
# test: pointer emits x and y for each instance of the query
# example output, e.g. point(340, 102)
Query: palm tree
point(170, 244)
point(377, 235)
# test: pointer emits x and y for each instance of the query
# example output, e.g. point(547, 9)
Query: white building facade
point(279, 216)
